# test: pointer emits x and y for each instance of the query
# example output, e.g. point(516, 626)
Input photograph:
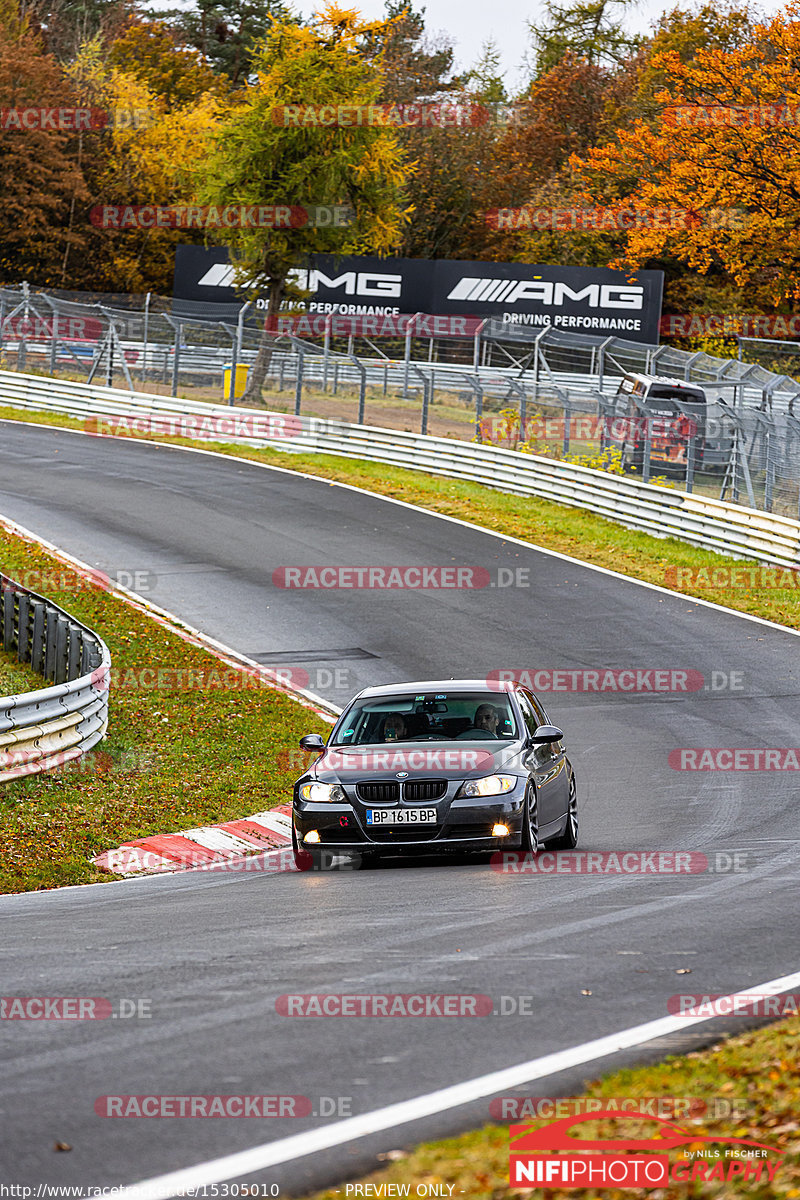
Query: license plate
point(401, 816)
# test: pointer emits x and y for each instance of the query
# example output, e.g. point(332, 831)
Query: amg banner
point(591, 300)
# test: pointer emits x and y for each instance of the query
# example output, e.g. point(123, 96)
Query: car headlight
point(490, 785)
point(321, 792)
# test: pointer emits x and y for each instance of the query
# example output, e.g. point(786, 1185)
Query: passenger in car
point(394, 728)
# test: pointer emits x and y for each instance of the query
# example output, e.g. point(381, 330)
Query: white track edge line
point(514, 541)
point(270, 1154)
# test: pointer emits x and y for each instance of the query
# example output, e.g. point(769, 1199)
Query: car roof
point(681, 383)
point(430, 685)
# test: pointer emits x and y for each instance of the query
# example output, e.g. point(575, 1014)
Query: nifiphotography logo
point(550, 1157)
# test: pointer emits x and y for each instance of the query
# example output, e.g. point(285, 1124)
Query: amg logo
point(552, 295)
point(354, 283)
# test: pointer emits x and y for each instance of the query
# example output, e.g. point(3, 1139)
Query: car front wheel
point(568, 840)
point(530, 823)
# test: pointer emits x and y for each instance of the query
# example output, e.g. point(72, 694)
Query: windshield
point(429, 716)
point(685, 396)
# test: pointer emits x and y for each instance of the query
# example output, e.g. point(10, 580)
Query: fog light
point(500, 831)
point(313, 836)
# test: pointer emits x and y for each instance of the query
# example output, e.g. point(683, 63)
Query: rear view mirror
point(546, 734)
point(312, 741)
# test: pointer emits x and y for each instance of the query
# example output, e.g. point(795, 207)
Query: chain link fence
point(731, 432)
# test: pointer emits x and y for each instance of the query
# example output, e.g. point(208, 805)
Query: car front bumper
point(466, 825)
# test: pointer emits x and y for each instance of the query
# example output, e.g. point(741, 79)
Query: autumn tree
point(149, 51)
point(259, 160)
point(727, 141)
point(149, 156)
point(39, 178)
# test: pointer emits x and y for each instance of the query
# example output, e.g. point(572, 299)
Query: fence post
point(146, 333)
point(691, 451)
point(362, 387)
point(327, 353)
point(769, 477)
point(601, 362)
point(54, 337)
point(110, 365)
point(298, 390)
point(176, 357)
point(478, 408)
point(234, 365)
point(648, 438)
point(407, 356)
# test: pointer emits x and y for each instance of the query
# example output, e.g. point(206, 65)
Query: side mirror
point(546, 734)
point(312, 741)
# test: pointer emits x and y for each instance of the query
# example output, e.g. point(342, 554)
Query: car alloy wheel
point(568, 840)
point(530, 823)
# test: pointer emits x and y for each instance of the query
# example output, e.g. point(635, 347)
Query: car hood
point(459, 759)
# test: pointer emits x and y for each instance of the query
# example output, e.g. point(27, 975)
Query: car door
point(547, 764)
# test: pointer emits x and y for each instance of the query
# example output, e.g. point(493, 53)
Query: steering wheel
point(474, 733)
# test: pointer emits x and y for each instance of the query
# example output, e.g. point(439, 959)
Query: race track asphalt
point(210, 953)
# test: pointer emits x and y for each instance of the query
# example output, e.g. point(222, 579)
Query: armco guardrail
point(43, 729)
point(716, 525)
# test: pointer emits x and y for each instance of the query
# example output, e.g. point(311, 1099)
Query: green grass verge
point(177, 756)
point(752, 1076)
point(572, 531)
point(17, 677)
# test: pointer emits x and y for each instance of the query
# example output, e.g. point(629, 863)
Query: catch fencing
point(716, 525)
point(506, 385)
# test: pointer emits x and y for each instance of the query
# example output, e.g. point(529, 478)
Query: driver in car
point(487, 718)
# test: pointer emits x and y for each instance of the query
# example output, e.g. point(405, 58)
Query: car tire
point(530, 823)
point(568, 840)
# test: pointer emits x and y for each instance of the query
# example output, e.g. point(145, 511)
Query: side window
point(541, 715)
point(532, 721)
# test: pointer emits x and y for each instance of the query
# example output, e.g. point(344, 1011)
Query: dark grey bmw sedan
point(427, 767)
